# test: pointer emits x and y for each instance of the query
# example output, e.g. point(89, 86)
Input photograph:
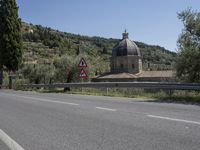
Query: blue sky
point(153, 22)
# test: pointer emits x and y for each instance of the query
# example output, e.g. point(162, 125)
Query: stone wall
point(130, 64)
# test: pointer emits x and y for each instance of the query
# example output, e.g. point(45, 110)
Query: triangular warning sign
point(83, 74)
point(82, 63)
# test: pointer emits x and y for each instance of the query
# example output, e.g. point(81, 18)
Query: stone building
point(126, 65)
point(126, 56)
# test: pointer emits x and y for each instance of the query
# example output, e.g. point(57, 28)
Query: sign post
point(11, 75)
point(82, 64)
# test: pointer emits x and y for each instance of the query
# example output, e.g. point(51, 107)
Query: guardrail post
point(169, 92)
point(66, 89)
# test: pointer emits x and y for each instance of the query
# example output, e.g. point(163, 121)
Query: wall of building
point(130, 64)
point(142, 79)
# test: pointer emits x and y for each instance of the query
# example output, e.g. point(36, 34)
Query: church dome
point(125, 47)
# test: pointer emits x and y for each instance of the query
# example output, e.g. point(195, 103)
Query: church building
point(126, 65)
point(126, 57)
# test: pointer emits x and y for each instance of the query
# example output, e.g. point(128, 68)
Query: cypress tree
point(10, 37)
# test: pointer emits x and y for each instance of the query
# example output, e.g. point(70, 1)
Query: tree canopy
point(188, 61)
point(10, 35)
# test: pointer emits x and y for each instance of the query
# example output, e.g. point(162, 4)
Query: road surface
point(74, 122)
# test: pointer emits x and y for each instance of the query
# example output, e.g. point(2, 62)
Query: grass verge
point(183, 97)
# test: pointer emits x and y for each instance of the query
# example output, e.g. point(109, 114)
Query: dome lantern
point(125, 35)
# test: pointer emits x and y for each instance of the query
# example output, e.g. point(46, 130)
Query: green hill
point(52, 56)
point(43, 45)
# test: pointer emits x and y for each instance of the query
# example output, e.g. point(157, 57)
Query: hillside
point(51, 56)
point(43, 44)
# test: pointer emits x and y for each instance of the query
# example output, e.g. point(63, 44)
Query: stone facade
point(129, 64)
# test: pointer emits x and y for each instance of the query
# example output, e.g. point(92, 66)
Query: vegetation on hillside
point(52, 56)
point(49, 43)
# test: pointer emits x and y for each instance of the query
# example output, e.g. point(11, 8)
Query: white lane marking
point(46, 100)
point(174, 119)
point(103, 108)
point(13, 145)
point(52, 101)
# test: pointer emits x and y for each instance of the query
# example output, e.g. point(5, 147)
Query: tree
point(10, 37)
point(38, 73)
point(66, 69)
point(188, 60)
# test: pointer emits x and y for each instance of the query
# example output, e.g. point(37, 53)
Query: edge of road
point(116, 97)
point(9, 142)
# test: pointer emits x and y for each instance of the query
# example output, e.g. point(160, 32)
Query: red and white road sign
point(82, 63)
point(83, 74)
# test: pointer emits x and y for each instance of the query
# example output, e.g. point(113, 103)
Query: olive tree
point(188, 60)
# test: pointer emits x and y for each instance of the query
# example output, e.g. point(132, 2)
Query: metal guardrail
point(147, 85)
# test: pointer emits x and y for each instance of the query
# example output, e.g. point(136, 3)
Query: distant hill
point(43, 44)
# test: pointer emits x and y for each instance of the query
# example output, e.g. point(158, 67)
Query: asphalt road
point(74, 122)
